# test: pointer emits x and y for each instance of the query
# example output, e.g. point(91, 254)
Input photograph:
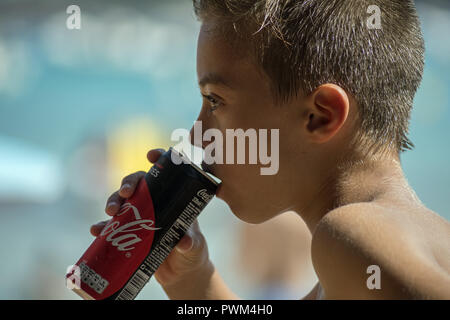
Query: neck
point(378, 180)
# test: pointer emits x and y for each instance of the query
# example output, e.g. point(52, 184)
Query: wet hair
point(302, 44)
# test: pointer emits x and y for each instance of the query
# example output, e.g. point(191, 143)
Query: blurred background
point(79, 109)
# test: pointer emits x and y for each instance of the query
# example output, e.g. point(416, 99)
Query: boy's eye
point(213, 102)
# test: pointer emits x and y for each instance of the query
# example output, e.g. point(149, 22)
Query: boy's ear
point(328, 110)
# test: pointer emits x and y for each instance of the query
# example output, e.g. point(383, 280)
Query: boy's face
point(242, 98)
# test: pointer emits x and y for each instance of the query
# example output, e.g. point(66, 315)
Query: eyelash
point(213, 101)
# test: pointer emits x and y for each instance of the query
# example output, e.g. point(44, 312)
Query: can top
point(186, 160)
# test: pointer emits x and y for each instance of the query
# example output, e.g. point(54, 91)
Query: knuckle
point(199, 242)
point(133, 178)
point(113, 197)
point(127, 179)
point(140, 174)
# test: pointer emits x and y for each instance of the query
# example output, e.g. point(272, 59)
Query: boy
point(340, 92)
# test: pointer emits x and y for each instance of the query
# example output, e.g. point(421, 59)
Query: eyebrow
point(213, 78)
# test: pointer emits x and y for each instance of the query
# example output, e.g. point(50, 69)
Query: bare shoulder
point(408, 252)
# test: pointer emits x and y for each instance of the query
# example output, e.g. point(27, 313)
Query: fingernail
point(185, 245)
point(111, 204)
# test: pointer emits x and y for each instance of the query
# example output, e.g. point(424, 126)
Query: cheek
point(237, 183)
point(238, 176)
point(247, 193)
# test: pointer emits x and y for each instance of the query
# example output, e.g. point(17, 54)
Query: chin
point(244, 212)
point(245, 208)
point(251, 217)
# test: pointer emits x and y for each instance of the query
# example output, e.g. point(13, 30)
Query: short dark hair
point(305, 43)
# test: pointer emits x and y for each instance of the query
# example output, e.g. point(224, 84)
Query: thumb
point(192, 247)
point(186, 243)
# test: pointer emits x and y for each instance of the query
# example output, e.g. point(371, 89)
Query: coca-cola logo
point(122, 236)
point(204, 195)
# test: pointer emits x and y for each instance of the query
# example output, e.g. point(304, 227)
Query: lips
point(207, 167)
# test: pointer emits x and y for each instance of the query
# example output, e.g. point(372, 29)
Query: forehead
point(222, 60)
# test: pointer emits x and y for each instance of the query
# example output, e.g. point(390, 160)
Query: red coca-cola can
point(133, 244)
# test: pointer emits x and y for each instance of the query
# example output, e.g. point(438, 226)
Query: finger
point(193, 244)
point(153, 155)
point(185, 244)
point(97, 228)
point(195, 226)
point(129, 184)
point(113, 204)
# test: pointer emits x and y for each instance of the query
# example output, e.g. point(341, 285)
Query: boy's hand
point(191, 254)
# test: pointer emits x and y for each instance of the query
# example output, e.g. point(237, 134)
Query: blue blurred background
point(79, 109)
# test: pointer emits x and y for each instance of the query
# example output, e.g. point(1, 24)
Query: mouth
point(207, 168)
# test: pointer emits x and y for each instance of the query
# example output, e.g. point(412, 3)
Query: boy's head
point(335, 88)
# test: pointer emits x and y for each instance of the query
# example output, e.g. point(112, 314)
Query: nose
point(193, 138)
point(196, 134)
point(198, 129)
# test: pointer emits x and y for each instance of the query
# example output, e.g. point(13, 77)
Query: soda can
point(136, 241)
